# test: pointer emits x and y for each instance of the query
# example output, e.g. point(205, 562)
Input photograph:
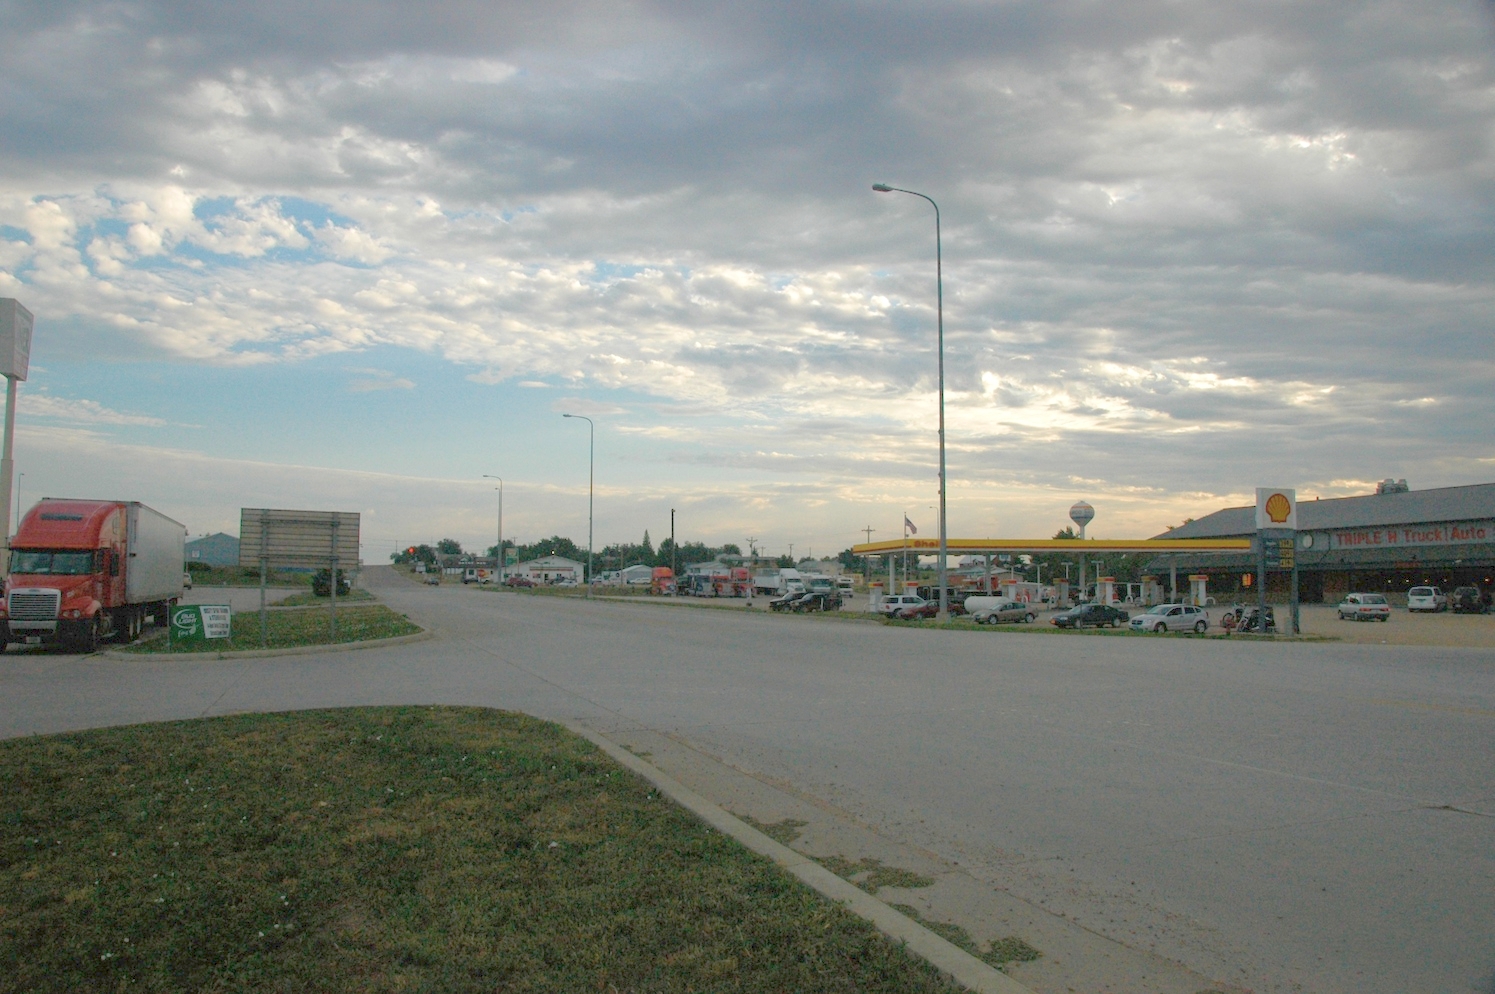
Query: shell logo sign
point(1276, 507)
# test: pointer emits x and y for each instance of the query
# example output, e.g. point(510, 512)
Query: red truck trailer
point(85, 570)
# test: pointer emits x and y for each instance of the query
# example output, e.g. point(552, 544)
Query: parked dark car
point(929, 609)
point(1091, 616)
point(786, 602)
point(957, 597)
point(519, 581)
point(817, 600)
point(1468, 600)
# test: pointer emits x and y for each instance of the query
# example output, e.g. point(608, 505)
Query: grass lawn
point(391, 849)
point(295, 628)
point(307, 598)
point(245, 576)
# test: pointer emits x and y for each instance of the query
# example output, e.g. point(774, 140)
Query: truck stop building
point(1386, 542)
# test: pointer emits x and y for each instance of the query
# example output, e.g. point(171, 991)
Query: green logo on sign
point(186, 624)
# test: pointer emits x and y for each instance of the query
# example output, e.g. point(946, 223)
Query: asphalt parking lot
point(1404, 628)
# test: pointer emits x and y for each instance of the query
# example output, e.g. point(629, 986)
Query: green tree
point(449, 547)
point(414, 554)
point(556, 545)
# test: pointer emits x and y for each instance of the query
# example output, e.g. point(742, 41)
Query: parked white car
point(1426, 599)
point(1171, 618)
point(999, 611)
point(1364, 607)
point(894, 603)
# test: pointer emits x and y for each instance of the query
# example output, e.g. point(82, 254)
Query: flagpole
point(905, 551)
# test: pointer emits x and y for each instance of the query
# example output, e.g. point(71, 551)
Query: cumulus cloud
point(40, 406)
point(1170, 234)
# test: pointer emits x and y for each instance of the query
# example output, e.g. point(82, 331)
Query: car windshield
point(1420, 592)
point(1372, 599)
point(52, 563)
point(1160, 609)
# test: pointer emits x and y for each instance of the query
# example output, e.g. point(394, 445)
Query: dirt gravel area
point(1405, 628)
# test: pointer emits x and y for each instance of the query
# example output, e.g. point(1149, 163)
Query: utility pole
point(867, 560)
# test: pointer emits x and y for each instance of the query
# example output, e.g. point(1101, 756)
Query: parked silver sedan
point(999, 611)
point(1171, 618)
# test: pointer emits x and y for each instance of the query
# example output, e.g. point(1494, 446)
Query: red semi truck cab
point(85, 570)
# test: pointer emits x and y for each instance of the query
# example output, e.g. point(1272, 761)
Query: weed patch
point(870, 874)
point(998, 953)
point(783, 832)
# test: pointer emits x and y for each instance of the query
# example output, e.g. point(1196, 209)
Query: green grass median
point(291, 628)
point(384, 849)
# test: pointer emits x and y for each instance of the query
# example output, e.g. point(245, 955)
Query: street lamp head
point(566, 415)
point(882, 188)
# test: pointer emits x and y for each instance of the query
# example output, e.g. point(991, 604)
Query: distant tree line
point(616, 556)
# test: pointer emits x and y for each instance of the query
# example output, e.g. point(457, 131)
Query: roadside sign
point(1280, 553)
point(1276, 507)
point(199, 622)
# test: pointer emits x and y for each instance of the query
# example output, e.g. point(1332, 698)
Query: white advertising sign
point(15, 338)
point(1276, 507)
point(217, 620)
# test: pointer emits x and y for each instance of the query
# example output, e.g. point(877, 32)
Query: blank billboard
point(298, 538)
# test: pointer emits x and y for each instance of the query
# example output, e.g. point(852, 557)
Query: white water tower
point(1081, 514)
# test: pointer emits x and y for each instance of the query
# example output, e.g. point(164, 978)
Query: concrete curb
point(295, 650)
point(967, 970)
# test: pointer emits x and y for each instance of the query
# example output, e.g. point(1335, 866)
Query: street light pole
point(591, 477)
point(503, 560)
point(939, 296)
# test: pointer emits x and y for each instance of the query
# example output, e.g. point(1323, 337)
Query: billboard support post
point(15, 360)
point(308, 539)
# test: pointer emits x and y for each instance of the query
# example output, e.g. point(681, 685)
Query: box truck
point(82, 571)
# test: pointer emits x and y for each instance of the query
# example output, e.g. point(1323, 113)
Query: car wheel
point(1028, 619)
point(1161, 626)
point(1200, 627)
point(1385, 617)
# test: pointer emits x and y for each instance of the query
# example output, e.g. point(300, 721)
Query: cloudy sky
point(355, 255)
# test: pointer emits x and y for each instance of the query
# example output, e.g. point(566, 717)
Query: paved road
point(1289, 817)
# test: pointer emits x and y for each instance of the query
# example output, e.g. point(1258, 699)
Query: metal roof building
point(1386, 541)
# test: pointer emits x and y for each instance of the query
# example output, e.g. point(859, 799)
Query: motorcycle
point(1240, 620)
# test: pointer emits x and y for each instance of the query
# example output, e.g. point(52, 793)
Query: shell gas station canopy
point(983, 545)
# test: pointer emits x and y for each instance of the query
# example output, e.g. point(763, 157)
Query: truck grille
point(34, 605)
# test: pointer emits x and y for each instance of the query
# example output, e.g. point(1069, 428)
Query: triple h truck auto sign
point(1463, 533)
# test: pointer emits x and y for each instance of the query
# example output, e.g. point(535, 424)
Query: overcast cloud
point(1189, 248)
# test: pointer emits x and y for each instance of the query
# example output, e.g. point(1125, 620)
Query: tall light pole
point(591, 476)
point(16, 323)
point(502, 559)
point(939, 298)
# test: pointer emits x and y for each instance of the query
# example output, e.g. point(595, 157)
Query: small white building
point(549, 569)
point(637, 575)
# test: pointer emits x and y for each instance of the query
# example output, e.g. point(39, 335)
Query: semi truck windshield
point(53, 563)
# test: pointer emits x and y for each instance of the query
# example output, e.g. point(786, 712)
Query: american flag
point(910, 526)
